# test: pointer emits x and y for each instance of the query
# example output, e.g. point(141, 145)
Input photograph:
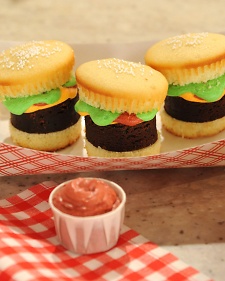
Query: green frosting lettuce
point(19, 105)
point(99, 116)
point(103, 117)
point(210, 91)
point(72, 82)
point(147, 116)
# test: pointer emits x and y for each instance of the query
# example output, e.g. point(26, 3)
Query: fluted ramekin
point(91, 234)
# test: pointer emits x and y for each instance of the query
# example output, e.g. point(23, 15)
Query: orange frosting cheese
point(193, 98)
point(66, 93)
point(42, 101)
point(210, 91)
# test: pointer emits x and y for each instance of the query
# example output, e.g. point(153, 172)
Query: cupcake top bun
point(121, 86)
point(189, 58)
point(35, 67)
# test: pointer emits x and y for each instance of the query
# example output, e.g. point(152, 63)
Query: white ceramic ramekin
point(92, 234)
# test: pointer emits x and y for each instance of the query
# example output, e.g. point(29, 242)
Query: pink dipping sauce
point(86, 197)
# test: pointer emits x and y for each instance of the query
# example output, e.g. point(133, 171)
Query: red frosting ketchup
point(86, 197)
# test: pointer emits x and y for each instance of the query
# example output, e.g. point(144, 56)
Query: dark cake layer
point(52, 119)
point(120, 138)
point(184, 110)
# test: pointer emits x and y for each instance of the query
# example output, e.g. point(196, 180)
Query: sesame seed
point(123, 67)
point(21, 56)
point(186, 40)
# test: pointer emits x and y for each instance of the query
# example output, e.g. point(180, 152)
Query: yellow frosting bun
point(188, 58)
point(192, 130)
point(46, 142)
point(121, 86)
point(35, 67)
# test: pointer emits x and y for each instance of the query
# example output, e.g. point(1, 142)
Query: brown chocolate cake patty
point(48, 120)
point(120, 101)
point(49, 129)
point(122, 137)
point(180, 109)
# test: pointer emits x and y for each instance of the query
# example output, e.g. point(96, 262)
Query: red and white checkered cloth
point(29, 249)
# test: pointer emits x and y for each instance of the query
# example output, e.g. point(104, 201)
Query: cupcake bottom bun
point(46, 142)
point(193, 119)
point(49, 129)
point(124, 141)
point(192, 129)
point(100, 152)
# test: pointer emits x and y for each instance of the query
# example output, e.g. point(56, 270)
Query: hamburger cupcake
point(119, 100)
point(194, 65)
point(38, 87)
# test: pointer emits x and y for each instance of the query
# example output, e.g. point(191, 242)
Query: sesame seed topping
point(21, 56)
point(121, 66)
point(186, 40)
